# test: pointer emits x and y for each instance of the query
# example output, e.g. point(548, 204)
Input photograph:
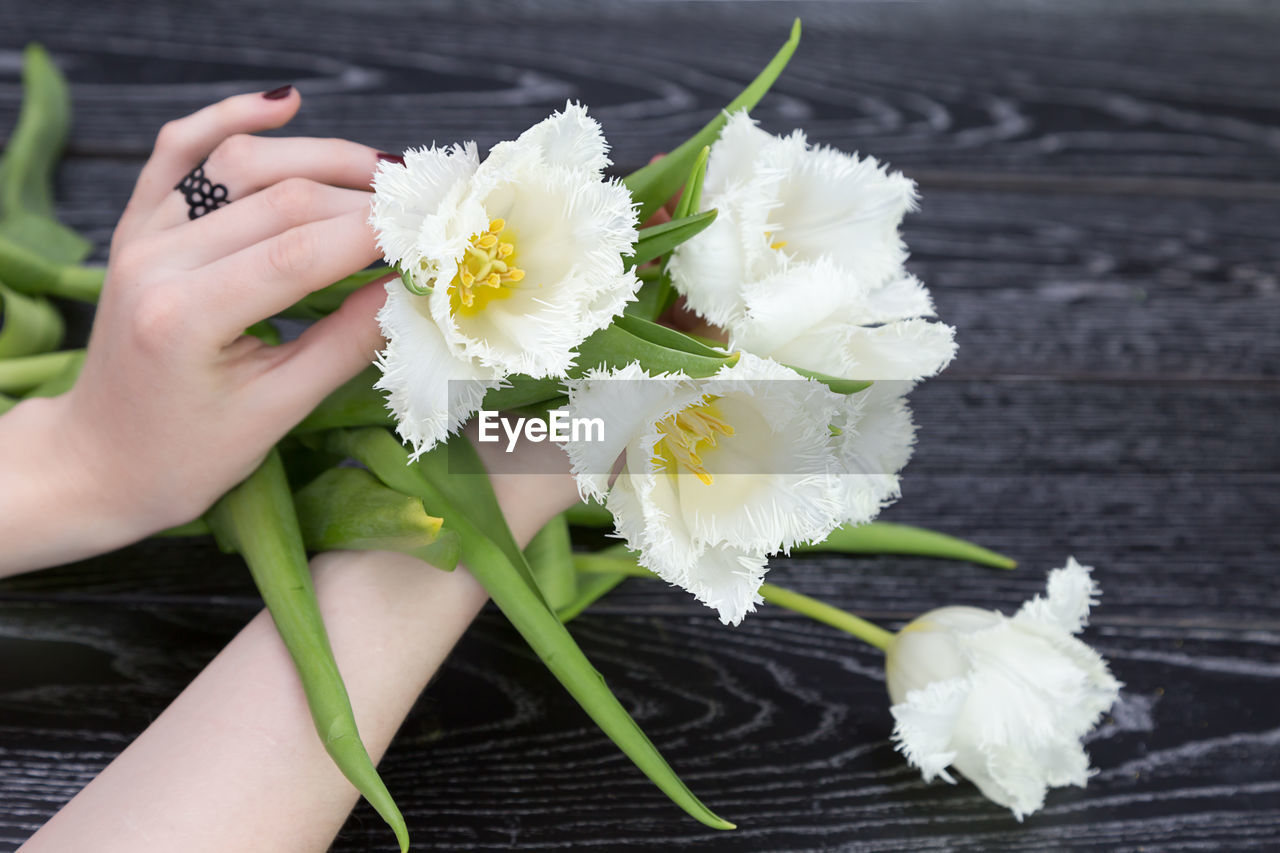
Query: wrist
point(52, 509)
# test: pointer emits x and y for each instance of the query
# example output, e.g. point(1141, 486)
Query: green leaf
point(882, 537)
point(6, 403)
point(550, 556)
point(257, 518)
point(518, 597)
point(325, 301)
point(27, 165)
point(690, 201)
point(524, 391)
point(658, 240)
point(265, 331)
point(616, 347)
point(18, 375)
point(591, 588)
point(664, 336)
point(835, 383)
point(691, 197)
point(589, 514)
point(61, 382)
point(354, 403)
point(28, 324)
point(350, 509)
point(652, 185)
point(26, 270)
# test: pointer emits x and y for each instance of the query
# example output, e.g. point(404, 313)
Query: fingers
point(327, 354)
point(267, 277)
point(184, 142)
point(245, 164)
point(291, 203)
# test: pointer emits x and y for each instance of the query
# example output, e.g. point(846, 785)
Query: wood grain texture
point(780, 724)
point(1006, 87)
point(1100, 195)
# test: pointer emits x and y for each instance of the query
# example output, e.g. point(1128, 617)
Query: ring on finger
point(202, 195)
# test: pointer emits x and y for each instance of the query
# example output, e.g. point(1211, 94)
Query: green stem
point(83, 284)
point(257, 518)
point(622, 563)
point(22, 374)
point(826, 614)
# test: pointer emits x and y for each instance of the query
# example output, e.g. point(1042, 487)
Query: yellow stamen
point(684, 434)
point(778, 244)
point(487, 271)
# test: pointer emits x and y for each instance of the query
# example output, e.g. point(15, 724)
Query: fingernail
point(391, 158)
point(277, 94)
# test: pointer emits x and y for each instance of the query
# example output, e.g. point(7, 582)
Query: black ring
point(202, 195)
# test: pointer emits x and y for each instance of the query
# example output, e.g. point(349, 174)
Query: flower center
point(487, 272)
point(685, 433)
point(774, 244)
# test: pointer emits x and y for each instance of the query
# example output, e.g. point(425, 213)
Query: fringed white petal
point(569, 139)
point(876, 439)
point(900, 297)
point(734, 154)
point(728, 580)
point(905, 350)
point(571, 234)
point(1071, 592)
point(628, 400)
point(430, 392)
point(1033, 691)
point(836, 205)
point(924, 723)
point(710, 269)
point(774, 481)
point(404, 196)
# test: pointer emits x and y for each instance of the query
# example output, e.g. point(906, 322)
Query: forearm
point(52, 509)
point(235, 764)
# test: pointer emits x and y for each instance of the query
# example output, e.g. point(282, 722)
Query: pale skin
point(174, 407)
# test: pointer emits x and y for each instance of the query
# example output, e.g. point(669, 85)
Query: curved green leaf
point(518, 597)
point(28, 324)
point(658, 240)
point(883, 537)
point(550, 556)
point(257, 518)
point(18, 375)
point(28, 162)
point(652, 185)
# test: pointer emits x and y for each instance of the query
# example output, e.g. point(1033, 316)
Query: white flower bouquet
point(532, 280)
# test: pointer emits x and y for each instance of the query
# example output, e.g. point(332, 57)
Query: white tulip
point(1004, 700)
point(518, 259)
point(719, 473)
point(804, 263)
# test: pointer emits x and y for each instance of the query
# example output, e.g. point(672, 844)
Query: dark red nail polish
point(391, 158)
point(277, 94)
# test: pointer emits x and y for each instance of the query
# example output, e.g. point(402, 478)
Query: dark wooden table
point(1101, 223)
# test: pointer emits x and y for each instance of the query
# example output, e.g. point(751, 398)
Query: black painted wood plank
point(1089, 88)
point(780, 724)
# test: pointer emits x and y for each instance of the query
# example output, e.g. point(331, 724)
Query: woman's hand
point(175, 405)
